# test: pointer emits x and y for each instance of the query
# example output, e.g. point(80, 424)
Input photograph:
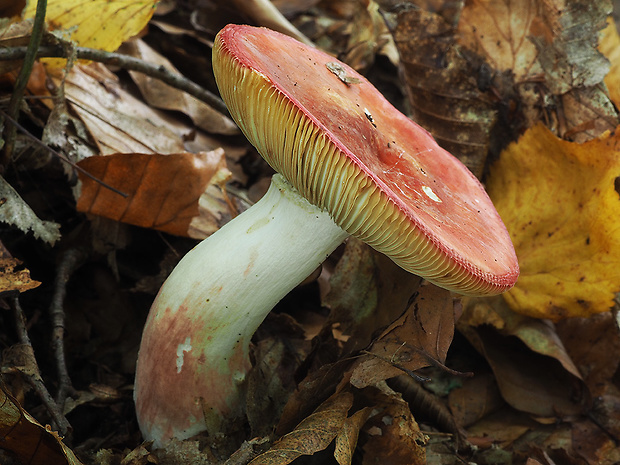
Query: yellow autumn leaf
point(559, 202)
point(100, 24)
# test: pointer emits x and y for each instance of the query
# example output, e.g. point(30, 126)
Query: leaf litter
point(362, 363)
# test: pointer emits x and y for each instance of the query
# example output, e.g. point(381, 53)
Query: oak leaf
point(560, 203)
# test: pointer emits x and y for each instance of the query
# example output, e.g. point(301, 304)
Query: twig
point(126, 62)
point(30, 55)
point(70, 261)
point(35, 379)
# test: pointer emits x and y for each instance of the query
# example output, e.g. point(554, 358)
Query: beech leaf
point(31, 442)
point(12, 279)
point(100, 24)
point(164, 191)
point(560, 203)
point(312, 435)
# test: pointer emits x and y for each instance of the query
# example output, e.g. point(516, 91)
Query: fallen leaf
point(594, 346)
point(312, 435)
point(117, 121)
point(164, 191)
point(476, 398)
point(559, 202)
point(15, 280)
point(419, 338)
point(528, 381)
point(446, 95)
point(346, 441)
point(31, 442)
point(161, 95)
point(100, 24)
point(391, 435)
point(15, 212)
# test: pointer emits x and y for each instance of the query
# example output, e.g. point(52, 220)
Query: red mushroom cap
point(381, 176)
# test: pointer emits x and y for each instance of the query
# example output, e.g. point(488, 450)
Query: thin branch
point(70, 261)
point(30, 55)
point(126, 62)
point(34, 379)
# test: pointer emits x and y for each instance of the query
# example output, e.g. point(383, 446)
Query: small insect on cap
point(345, 148)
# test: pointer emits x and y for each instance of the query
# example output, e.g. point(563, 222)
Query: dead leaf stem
point(126, 62)
point(34, 378)
point(30, 54)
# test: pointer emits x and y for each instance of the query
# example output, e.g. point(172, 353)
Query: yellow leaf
point(100, 24)
point(559, 202)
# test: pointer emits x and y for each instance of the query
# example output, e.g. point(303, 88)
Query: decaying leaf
point(15, 212)
point(161, 95)
point(560, 203)
point(31, 442)
point(117, 121)
point(164, 191)
point(312, 435)
point(419, 338)
point(99, 24)
point(443, 84)
point(12, 279)
point(392, 435)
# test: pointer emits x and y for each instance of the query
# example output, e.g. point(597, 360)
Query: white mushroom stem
point(194, 354)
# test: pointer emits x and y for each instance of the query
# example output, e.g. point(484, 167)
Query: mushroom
point(349, 164)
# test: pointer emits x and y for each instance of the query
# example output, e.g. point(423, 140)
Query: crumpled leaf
point(312, 435)
point(161, 95)
point(117, 121)
point(12, 279)
point(31, 442)
point(100, 24)
point(421, 336)
point(560, 203)
point(164, 191)
point(16, 212)
point(346, 441)
point(544, 50)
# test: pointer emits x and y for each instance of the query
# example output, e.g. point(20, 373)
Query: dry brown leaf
point(367, 291)
point(419, 338)
point(392, 435)
point(312, 435)
point(164, 191)
point(161, 95)
point(346, 441)
point(117, 121)
point(529, 382)
point(31, 442)
point(549, 50)
point(15, 280)
point(609, 46)
point(594, 346)
point(476, 398)
point(448, 88)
